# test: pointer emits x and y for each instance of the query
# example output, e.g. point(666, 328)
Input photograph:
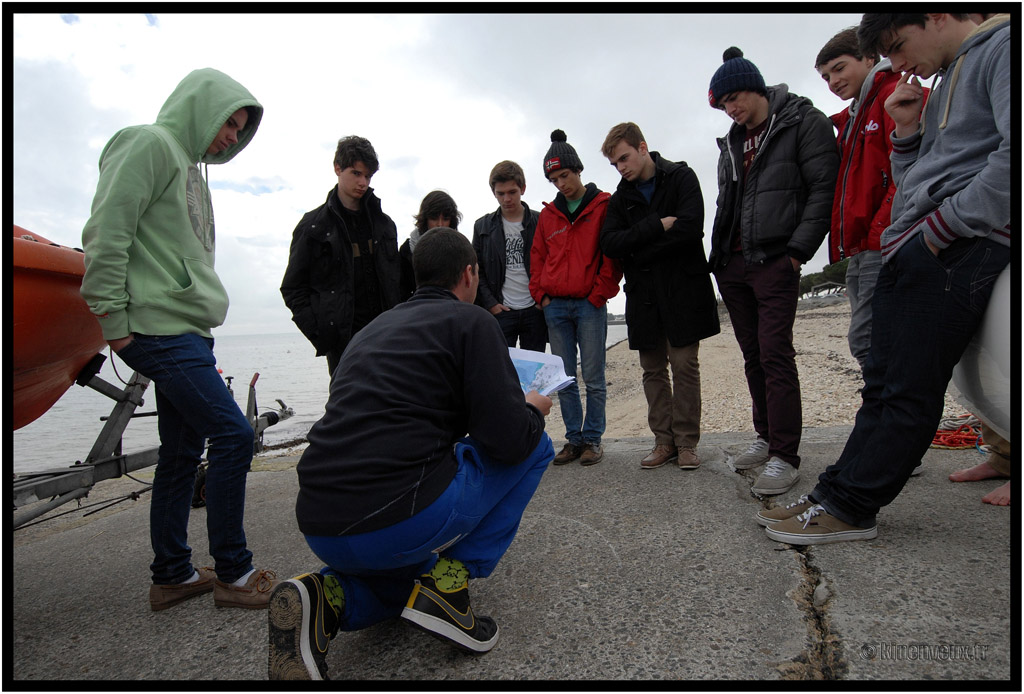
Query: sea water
point(288, 368)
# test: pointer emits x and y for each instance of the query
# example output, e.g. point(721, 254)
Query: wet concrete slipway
point(634, 576)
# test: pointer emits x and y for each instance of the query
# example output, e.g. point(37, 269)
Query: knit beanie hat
point(737, 74)
point(561, 155)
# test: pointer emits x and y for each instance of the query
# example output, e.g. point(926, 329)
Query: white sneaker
point(778, 477)
point(753, 456)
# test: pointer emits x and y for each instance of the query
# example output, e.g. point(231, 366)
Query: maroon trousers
point(761, 299)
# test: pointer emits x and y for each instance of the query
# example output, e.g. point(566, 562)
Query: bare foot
point(981, 471)
point(998, 497)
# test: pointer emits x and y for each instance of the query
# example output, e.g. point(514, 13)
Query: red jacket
point(864, 189)
point(566, 258)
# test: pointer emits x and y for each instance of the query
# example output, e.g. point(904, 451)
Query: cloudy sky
point(442, 98)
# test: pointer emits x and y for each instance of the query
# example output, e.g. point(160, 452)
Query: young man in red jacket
point(572, 281)
point(865, 187)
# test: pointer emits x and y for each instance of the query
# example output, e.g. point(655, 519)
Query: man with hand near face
point(948, 242)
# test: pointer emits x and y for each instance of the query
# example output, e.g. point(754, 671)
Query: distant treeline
point(836, 272)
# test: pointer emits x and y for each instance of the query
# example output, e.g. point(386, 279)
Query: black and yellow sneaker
point(301, 625)
point(448, 616)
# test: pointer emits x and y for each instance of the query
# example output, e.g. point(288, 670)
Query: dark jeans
point(761, 299)
point(525, 325)
point(925, 311)
point(193, 405)
point(474, 520)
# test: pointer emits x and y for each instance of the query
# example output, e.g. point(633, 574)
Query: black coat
point(785, 204)
point(408, 280)
point(668, 285)
point(318, 285)
point(489, 242)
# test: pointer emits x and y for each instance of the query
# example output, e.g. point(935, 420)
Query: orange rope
point(958, 432)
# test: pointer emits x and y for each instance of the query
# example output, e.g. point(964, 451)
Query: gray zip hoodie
point(953, 175)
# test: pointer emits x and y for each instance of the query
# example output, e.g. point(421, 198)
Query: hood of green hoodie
point(200, 105)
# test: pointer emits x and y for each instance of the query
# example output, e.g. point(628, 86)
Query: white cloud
point(442, 97)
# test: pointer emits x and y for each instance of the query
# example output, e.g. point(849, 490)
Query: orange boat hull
point(55, 335)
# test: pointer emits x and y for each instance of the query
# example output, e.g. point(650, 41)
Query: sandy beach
point(829, 378)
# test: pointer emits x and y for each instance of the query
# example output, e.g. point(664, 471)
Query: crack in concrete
point(823, 658)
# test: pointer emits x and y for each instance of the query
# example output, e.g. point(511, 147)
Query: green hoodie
point(149, 243)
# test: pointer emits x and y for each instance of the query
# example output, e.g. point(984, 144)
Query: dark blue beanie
point(737, 74)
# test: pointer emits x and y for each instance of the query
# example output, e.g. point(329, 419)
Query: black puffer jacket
point(668, 287)
point(318, 285)
point(785, 205)
point(489, 243)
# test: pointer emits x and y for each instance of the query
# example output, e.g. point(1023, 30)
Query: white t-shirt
point(516, 290)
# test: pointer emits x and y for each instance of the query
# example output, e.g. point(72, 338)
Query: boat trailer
point(38, 493)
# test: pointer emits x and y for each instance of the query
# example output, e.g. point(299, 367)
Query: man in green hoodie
point(149, 279)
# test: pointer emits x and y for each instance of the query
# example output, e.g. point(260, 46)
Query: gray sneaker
point(778, 477)
point(753, 456)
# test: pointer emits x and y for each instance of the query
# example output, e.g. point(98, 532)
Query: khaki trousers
point(673, 406)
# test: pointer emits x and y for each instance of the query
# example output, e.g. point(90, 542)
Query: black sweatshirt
point(412, 383)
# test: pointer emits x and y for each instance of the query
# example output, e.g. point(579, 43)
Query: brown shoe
point(771, 516)
point(592, 453)
point(661, 454)
point(254, 595)
point(815, 526)
point(163, 596)
point(569, 453)
point(687, 459)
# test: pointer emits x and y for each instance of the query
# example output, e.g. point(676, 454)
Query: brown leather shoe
point(687, 459)
point(569, 453)
point(254, 595)
point(163, 596)
point(661, 454)
point(592, 453)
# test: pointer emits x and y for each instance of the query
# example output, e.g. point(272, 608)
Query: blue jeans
point(861, 279)
point(474, 520)
point(926, 310)
point(525, 325)
point(194, 405)
point(572, 323)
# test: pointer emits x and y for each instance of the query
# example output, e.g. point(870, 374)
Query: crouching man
point(400, 504)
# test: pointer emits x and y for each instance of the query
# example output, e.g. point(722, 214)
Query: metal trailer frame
point(48, 489)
